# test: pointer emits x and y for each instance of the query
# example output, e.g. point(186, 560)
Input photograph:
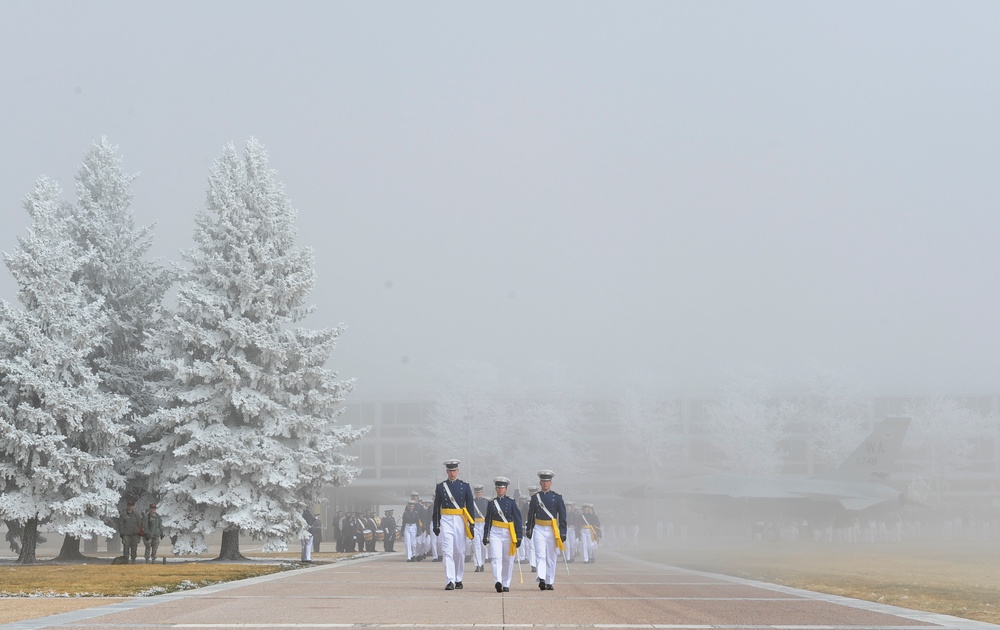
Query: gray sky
point(663, 187)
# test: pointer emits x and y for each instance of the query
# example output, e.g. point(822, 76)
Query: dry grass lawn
point(29, 592)
point(959, 579)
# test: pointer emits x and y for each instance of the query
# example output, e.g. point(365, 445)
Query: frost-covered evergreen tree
point(117, 271)
point(249, 433)
point(129, 287)
point(60, 435)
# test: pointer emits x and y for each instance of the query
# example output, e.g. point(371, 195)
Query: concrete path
point(385, 591)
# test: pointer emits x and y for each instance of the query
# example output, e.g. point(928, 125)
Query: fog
point(660, 188)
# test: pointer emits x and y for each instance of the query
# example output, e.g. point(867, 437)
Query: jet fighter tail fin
point(874, 459)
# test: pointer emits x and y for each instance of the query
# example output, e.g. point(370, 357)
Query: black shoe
point(499, 587)
point(409, 559)
point(506, 590)
point(532, 569)
point(436, 560)
point(541, 585)
point(458, 585)
point(450, 587)
point(548, 587)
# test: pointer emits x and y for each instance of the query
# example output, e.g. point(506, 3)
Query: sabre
point(520, 571)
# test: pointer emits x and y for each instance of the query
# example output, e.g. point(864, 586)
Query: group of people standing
point(361, 531)
point(497, 528)
point(132, 527)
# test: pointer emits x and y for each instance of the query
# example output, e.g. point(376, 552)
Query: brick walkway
point(385, 591)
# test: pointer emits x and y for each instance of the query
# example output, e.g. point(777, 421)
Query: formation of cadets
point(460, 525)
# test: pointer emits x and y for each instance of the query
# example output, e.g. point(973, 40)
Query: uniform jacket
point(389, 525)
point(461, 491)
point(129, 523)
point(508, 507)
point(481, 503)
point(152, 525)
point(411, 517)
point(554, 502)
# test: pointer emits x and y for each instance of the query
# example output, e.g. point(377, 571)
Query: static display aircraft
point(858, 487)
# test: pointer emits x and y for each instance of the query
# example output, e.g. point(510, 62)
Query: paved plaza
point(385, 591)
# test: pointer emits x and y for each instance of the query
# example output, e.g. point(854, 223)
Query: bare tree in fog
point(489, 421)
point(650, 427)
point(833, 411)
point(944, 431)
point(470, 420)
point(747, 428)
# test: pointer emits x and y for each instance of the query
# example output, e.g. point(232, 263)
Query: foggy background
point(659, 188)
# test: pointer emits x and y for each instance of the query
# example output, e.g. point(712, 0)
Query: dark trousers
point(130, 544)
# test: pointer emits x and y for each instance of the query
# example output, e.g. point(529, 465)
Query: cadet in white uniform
point(453, 524)
point(545, 526)
point(502, 532)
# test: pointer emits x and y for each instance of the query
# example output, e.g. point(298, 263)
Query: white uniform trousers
point(588, 544)
point(307, 548)
point(410, 540)
point(453, 538)
point(477, 544)
point(502, 561)
point(544, 541)
point(571, 542)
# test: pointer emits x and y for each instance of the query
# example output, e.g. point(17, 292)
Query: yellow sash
point(554, 524)
point(513, 535)
point(464, 513)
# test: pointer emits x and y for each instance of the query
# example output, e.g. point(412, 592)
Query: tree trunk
point(29, 537)
point(231, 545)
point(70, 551)
point(13, 535)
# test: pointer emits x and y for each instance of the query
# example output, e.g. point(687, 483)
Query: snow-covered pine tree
point(60, 436)
point(249, 434)
point(130, 287)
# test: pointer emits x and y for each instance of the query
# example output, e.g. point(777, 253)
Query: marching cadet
point(502, 532)
point(422, 533)
point(546, 528)
point(572, 530)
point(388, 525)
point(591, 532)
point(479, 503)
point(411, 527)
point(431, 543)
point(530, 551)
point(452, 517)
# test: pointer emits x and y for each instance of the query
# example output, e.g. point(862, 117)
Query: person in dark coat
point(130, 528)
point(389, 531)
point(317, 531)
point(152, 532)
